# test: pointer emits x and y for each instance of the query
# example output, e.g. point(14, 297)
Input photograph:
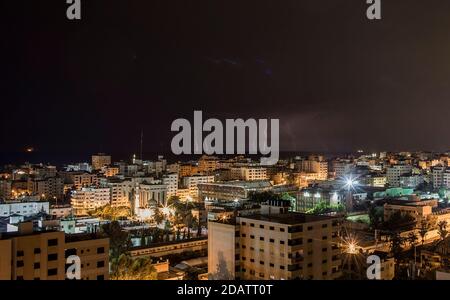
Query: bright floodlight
point(350, 183)
point(351, 248)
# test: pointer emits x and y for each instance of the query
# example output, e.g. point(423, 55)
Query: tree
point(374, 217)
point(127, 268)
point(108, 212)
point(119, 239)
point(412, 239)
point(158, 216)
point(396, 243)
point(423, 230)
point(442, 230)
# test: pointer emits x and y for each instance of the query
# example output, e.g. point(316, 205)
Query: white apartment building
point(120, 192)
point(342, 168)
point(320, 167)
point(23, 208)
point(88, 199)
point(253, 173)
point(411, 181)
point(394, 172)
point(441, 177)
point(171, 180)
point(191, 183)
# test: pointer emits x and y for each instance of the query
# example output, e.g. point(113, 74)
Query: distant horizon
point(62, 159)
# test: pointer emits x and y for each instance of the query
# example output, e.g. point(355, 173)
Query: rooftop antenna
point(142, 141)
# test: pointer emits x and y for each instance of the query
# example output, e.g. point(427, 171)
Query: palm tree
point(442, 230)
point(412, 240)
point(158, 216)
point(423, 230)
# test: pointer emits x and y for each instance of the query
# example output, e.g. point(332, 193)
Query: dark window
point(310, 228)
point(243, 247)
point(19, 263)
point(252, 260)
point(243, 223)
point(324, 249)
point(324, 273)
point(261, 262)
point(294, 242)
point(70, 252)
point(37, 250)
point(309, 240)
point(244, 235)
point(282, 242)
point(52, 242)
point(310, 265)
point(261, 238)
point(272, 240)
point(237, 257)
point(52, 257)
point(261, 226)
point(100, 250)
point(324, 225)
point(324, 261)
point(252, 237)
point(19, 277)
point(281, 267)
point(272, 228)
point(19, 253)
point(282, 229)
point(52, 272)
point(252, 225)
point(101, 277)
point(100, 264)
point(244, 258)
point(272, 265)
point(37, 265)
point(324, 237)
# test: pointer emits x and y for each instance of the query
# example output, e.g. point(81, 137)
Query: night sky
point(336, 81)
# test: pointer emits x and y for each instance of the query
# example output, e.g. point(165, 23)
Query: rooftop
point(290, 218)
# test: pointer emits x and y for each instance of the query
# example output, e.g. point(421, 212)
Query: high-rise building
point(80, 179)
point(207, 164)
point(191, 183)
point(50, 187)
point(30, 255)
point(253, 173)
point(100, 160)
point(88, 199)
point(171, 180)
point(275, 244)
point(5, 189)
point(314, 165)
point(394, 172)
point(121, 191)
